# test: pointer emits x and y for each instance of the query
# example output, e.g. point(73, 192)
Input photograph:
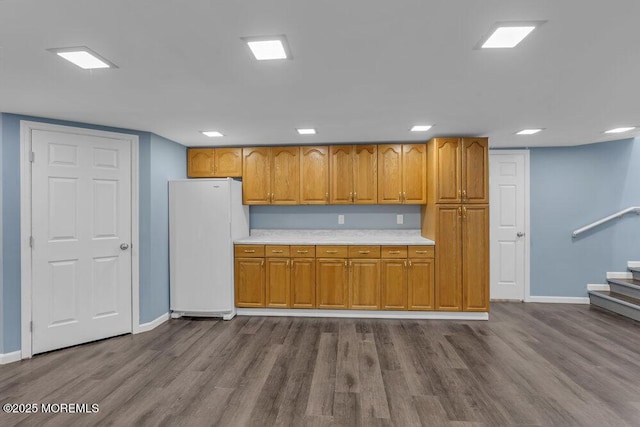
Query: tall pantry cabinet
point(456, 216)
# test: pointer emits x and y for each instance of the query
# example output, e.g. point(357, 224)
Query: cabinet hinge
point(31, 241)
point(31, 326)
point(32, 156)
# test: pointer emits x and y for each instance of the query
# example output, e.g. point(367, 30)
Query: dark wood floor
point(532, 364)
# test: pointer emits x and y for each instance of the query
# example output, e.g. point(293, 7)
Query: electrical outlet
point(399, 219)
point(340, 219)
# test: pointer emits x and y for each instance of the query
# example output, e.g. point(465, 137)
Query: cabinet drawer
point(276, 251)
point(331, 251)
point(249, 251)
point(393, 252)
point(364, 251)
point(303, 251)
point(421, 251)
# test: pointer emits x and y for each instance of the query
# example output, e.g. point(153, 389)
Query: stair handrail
point(620, 214)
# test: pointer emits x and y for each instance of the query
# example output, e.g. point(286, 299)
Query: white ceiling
point(362, 70)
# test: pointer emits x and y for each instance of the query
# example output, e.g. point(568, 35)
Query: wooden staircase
point(623, 296)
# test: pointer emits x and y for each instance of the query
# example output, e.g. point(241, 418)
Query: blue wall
point(326, 217)
point(1, 247)
point(572, 187)
point(153, 209)
point(168, 161)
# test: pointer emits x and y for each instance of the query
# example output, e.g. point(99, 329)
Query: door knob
point(520, 234)
point(124, 246)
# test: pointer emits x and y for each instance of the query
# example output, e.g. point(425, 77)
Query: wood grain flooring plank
point(347, 377)
point(373, 396)
point(324, 377)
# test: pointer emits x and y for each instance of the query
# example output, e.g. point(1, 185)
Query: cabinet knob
point(520, 234)
point(464, 194)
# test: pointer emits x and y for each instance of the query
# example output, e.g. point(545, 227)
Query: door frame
point(26, 128)
point(527, 212)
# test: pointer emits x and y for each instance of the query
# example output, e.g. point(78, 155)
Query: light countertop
point(334, 237)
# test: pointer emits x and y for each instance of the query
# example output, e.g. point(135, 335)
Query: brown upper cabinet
point(214, 162)
point(402, 171)
point(314, 175)
point(353, 174)
point(458, 170)
point(270, 175)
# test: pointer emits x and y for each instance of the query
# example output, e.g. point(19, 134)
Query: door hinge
point(32, 156)
point(31, 326)
point(31, 241)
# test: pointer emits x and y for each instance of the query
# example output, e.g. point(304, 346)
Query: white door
point(508, 228)
point(81, 228)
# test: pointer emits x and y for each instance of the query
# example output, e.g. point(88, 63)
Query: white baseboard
point(619, 275)
point(633, 264)
point(559, 300)
point(146, 327)
point(597, 287)
point(364, 314)
point(14, 356)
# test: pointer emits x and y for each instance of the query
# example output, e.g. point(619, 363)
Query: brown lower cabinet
point(462, 269)
point(331, 283)
point(364, 284)
point(407, 284)
point(249, 282)
point(335, 277)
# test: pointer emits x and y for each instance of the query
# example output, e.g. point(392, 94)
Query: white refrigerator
point(205, 217)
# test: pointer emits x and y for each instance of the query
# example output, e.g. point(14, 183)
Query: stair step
point(618, 303)
point(628, 287)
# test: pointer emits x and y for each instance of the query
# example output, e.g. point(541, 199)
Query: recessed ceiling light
point(268, 47)
point(508, 34)
point(307, 131)
point(528, 131)
point(212, 133)
point(421, 128)
point(83, 57)
point(620, 130)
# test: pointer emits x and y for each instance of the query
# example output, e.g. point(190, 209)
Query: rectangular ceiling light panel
point(212, 133)
point(620, 130)
point(420, 128)
point(307, 131)
point(507, 37)
point(528, 131)
point(83, 57)
point(268, 47)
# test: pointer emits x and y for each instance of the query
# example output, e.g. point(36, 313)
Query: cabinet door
point(256, 176)
point(475, 257)
point(414, 174)
point(278, 289)
point(331, 283)
point(314, 175)
point(448, 175)
point(364, 284)
point(475, 170)
point(228, 162)
point(249, 282)
point(448, 286)
point(200, 163)
point(365, 174)
point(303, 283)
point(285, 175)
point(393, 283)
point(390, 174)
point(420, 284)
point(341, 174)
